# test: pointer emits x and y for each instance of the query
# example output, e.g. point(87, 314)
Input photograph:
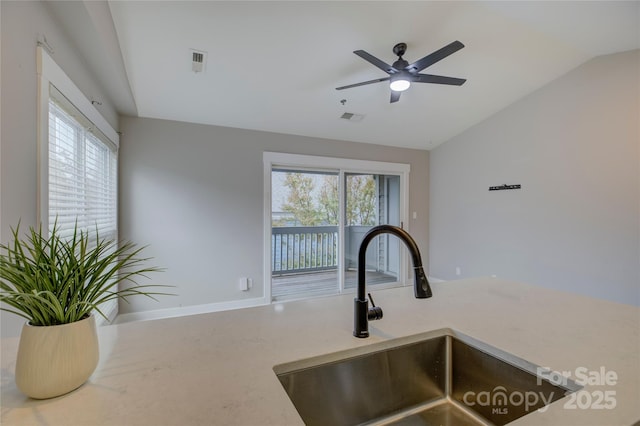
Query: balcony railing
point(297, 249)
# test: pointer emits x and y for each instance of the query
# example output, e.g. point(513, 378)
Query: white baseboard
point(189, 310)
point(435, 280)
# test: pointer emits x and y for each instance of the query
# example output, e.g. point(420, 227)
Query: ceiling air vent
point(198, 60)
point(350, 116)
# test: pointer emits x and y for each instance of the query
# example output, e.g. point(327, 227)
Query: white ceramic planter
point(57, 359)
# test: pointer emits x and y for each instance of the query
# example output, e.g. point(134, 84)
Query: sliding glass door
point(318, 217)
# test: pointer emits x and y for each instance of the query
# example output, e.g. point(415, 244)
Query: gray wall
point(22, 23)
point(194, 194)
point(574, 225)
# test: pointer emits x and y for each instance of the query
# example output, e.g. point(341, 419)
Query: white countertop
point(216, 368)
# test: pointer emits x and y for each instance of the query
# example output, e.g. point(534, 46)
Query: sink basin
point(437, 378)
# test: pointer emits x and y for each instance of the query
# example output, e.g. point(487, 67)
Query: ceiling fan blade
point(377, 80)
point(434, 57)
point(395, 96)
point(376, 62)
point(438, 79)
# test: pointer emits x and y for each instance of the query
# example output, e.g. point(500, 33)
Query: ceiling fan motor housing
point(400, 64)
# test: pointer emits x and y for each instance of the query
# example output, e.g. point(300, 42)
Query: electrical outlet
point(458, 271)
point(244, 283)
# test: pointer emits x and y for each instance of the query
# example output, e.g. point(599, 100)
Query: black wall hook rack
point(501, 187)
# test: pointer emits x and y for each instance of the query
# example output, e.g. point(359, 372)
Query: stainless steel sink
point(436, 378)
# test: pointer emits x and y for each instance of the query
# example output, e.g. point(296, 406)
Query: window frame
point(50, 74)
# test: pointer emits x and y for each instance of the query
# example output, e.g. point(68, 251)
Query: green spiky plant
point(55, 280)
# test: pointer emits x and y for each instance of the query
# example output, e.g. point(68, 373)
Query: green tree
point(361, 200)
point(323, 208)
point(300, 201)
point(329, 200)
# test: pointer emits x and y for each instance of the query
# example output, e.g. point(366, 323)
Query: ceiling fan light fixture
point(399, 84)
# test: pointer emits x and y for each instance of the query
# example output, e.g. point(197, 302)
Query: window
point(77, 172)
point(82, 171)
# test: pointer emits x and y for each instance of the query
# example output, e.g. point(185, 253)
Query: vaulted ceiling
point(274, 66)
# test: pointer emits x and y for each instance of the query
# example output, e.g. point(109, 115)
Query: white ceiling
point(274, 66)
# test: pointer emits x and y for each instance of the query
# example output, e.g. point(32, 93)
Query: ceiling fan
point(402, 73)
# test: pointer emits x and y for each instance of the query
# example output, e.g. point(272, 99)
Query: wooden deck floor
point(295, 286)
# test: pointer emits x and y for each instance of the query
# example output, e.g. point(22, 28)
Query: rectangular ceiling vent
point(198, 60)
point(350, 116)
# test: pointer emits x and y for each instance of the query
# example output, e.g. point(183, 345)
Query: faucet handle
point(375, 312)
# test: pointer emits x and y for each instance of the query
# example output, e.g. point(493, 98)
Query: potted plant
point(57, 284)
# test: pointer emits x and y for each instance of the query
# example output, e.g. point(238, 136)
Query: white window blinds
point(82, 173)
